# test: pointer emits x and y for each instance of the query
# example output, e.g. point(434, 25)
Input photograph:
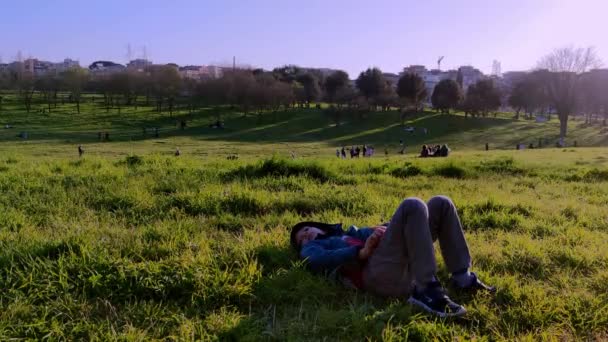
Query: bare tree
point(563, 69)
point(74, 81)
point(570, 59)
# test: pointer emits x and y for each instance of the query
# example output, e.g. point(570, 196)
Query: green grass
point(162, 247)
point(131, 243)
point(308, 132)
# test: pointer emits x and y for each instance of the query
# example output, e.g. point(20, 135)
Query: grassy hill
point(131, 243)
point(307, 131)
point(161, 247)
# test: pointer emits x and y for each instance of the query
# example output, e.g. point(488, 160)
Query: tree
point(241, 87)
point(370, 83)
point(48, 85)
point(25, 89)
point(528, 95)
point(287, 73)
point(312, 91)
point(412, 89)
point(482, 97)
point(335, 83)
point(563, 68)
point(120, 89)
point(386, 98)
point(74, 81)
point(166, 84)
point(446, 95)
point(593, 94)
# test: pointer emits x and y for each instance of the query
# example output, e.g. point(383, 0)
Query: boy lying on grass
point(398, 260)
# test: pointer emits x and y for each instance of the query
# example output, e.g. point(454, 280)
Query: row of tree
point(562, 83)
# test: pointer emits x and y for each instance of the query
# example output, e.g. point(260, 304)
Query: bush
point(450, 171)
point(500, 166)
point(279, 167)
point(408, 170)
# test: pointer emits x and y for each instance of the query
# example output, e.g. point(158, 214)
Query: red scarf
point(354, 273)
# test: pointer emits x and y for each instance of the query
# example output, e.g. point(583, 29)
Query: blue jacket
point(326, 255)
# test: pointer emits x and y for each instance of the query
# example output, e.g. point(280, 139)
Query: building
point(105, 68)
point(419, 70)
point(470, 76)
point(37, 67)
point(511, 78)
point(430, 77)
point(391, 78)
point(67, 64)
point(212, 71)
point(139, 64)
point(194, 72)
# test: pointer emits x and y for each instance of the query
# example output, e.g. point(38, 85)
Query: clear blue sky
point(345, 34)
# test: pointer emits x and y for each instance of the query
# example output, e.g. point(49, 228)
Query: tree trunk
point(563, 125)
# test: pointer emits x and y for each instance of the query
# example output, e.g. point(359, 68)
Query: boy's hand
point(371, 243)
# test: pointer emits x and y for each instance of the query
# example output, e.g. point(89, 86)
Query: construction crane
point(439, 62)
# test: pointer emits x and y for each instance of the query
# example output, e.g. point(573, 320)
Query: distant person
point(487, 147)
point(364, 150)
point(444, 151)
point(436, 151)
point(357, 151)
point(424, 152)
point(338, 153)
point(177, 152)
point(531, 146)
point(386, 152)
point(343, 152)
point(80, 151)
point(395, 259)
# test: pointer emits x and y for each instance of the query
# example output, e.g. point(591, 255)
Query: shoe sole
point(420, 304)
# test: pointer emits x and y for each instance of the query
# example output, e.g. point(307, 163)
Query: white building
point(139, 64)
point(191, 71)
point(470, 76)
point(212, 71)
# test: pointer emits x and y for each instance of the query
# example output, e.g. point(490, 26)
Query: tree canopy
point(412, 89)
point(446, 95)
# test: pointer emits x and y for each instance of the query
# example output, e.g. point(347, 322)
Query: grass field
point(131, 243)
point(306, 131)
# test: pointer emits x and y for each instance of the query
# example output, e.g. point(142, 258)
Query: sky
point(351, 35)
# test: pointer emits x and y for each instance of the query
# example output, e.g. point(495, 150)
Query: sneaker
point(434, 300)
point(475, 286)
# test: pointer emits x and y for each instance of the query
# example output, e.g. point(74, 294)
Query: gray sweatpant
point(406, 254)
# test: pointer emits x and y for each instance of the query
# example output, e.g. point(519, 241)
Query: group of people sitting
point(355, 152)
point(435, 151)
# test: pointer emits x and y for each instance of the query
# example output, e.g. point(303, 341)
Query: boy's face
point(307, 234)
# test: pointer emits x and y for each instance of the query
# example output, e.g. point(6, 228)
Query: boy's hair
point(327, 228)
